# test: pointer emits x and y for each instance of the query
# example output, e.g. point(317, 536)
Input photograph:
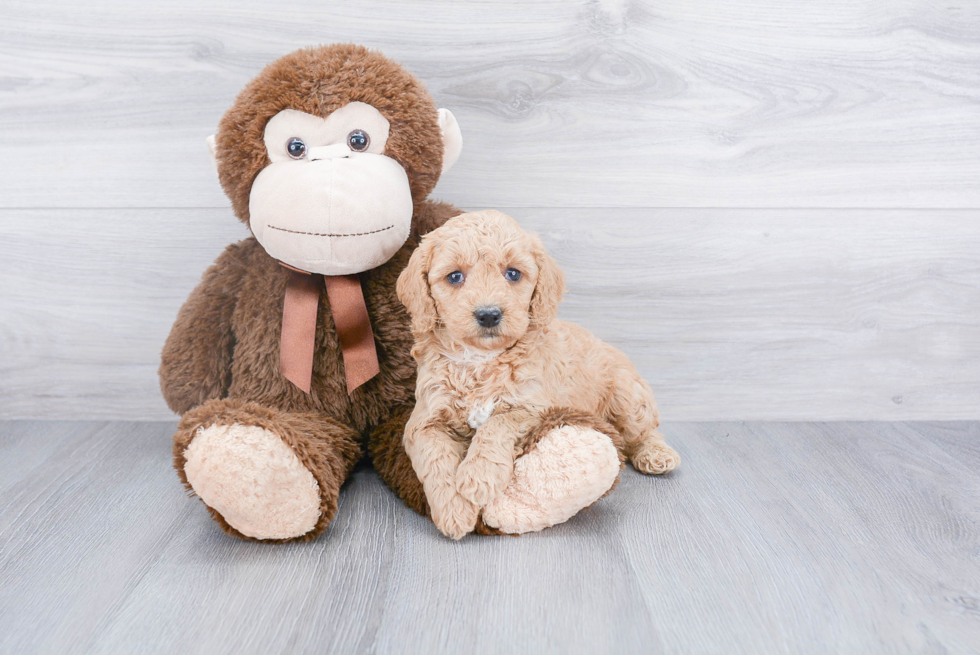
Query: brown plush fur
point(220, 364)
point(392, 463)
point(555, 417)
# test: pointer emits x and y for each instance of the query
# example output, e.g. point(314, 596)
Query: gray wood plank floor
point(772, 538)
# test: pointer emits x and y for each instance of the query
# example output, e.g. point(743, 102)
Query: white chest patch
point(480, 414)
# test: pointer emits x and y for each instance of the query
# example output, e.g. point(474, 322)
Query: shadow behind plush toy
point(284, 374)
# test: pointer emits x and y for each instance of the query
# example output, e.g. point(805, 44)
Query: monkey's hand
point(196, 362)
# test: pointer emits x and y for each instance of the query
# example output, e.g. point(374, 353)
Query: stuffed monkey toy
point(292, 356)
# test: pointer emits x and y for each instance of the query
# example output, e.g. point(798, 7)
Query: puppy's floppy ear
point(413, 289)
point(549, 288)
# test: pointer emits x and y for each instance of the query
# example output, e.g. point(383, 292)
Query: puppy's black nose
point(488, 317)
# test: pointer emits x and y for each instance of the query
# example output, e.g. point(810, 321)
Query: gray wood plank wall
point(772, 207)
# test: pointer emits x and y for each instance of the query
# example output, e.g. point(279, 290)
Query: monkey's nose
point(488, 317)
point(334, 151)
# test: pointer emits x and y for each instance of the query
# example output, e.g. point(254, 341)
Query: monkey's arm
point(431, 214)
point(196, 362)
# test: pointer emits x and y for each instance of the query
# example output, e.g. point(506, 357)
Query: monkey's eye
point(513, 274)
point(358, 140)
point(454, 278)
point(296, 148)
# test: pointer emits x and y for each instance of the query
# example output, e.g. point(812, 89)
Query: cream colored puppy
point(493, 361)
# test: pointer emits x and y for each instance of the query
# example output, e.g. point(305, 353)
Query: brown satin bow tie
point(350, 316)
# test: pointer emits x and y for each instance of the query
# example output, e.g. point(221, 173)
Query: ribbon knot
point(350, 316)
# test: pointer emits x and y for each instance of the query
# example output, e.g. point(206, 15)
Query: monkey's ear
point(213, 149)
point(413, 289)
point(452, 139)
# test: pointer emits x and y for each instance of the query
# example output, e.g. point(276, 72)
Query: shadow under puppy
point(519, 415)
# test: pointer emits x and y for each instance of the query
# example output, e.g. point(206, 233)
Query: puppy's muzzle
point(488, 317)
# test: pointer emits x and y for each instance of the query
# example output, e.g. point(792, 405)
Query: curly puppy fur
point(482, 391)
point(220, 364)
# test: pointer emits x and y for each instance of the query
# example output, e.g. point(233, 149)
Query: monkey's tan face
point(482, 287)
point(330, 202)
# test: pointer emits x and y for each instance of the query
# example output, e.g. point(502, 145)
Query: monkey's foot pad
point(254, 480)
point(570, 468)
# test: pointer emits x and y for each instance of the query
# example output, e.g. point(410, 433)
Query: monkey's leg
point(264, 473)
point(392, 462)
point(567, 462)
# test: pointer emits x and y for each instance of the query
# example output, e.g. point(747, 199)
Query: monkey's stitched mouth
point(317, 234)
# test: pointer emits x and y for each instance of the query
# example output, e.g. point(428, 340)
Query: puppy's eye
point(358, 140)
point(454, 278)
point(513, 274)
point(296, 148)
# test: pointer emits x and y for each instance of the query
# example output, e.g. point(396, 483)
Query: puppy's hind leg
point(634, 413)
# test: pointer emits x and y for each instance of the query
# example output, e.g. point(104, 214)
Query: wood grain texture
point(764, 103)
point(730, 314)
point(577, 115)
point(771, 538)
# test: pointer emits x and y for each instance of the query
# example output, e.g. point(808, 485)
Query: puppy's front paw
point(655, 459)
point(480, 480)
point(456, 517)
